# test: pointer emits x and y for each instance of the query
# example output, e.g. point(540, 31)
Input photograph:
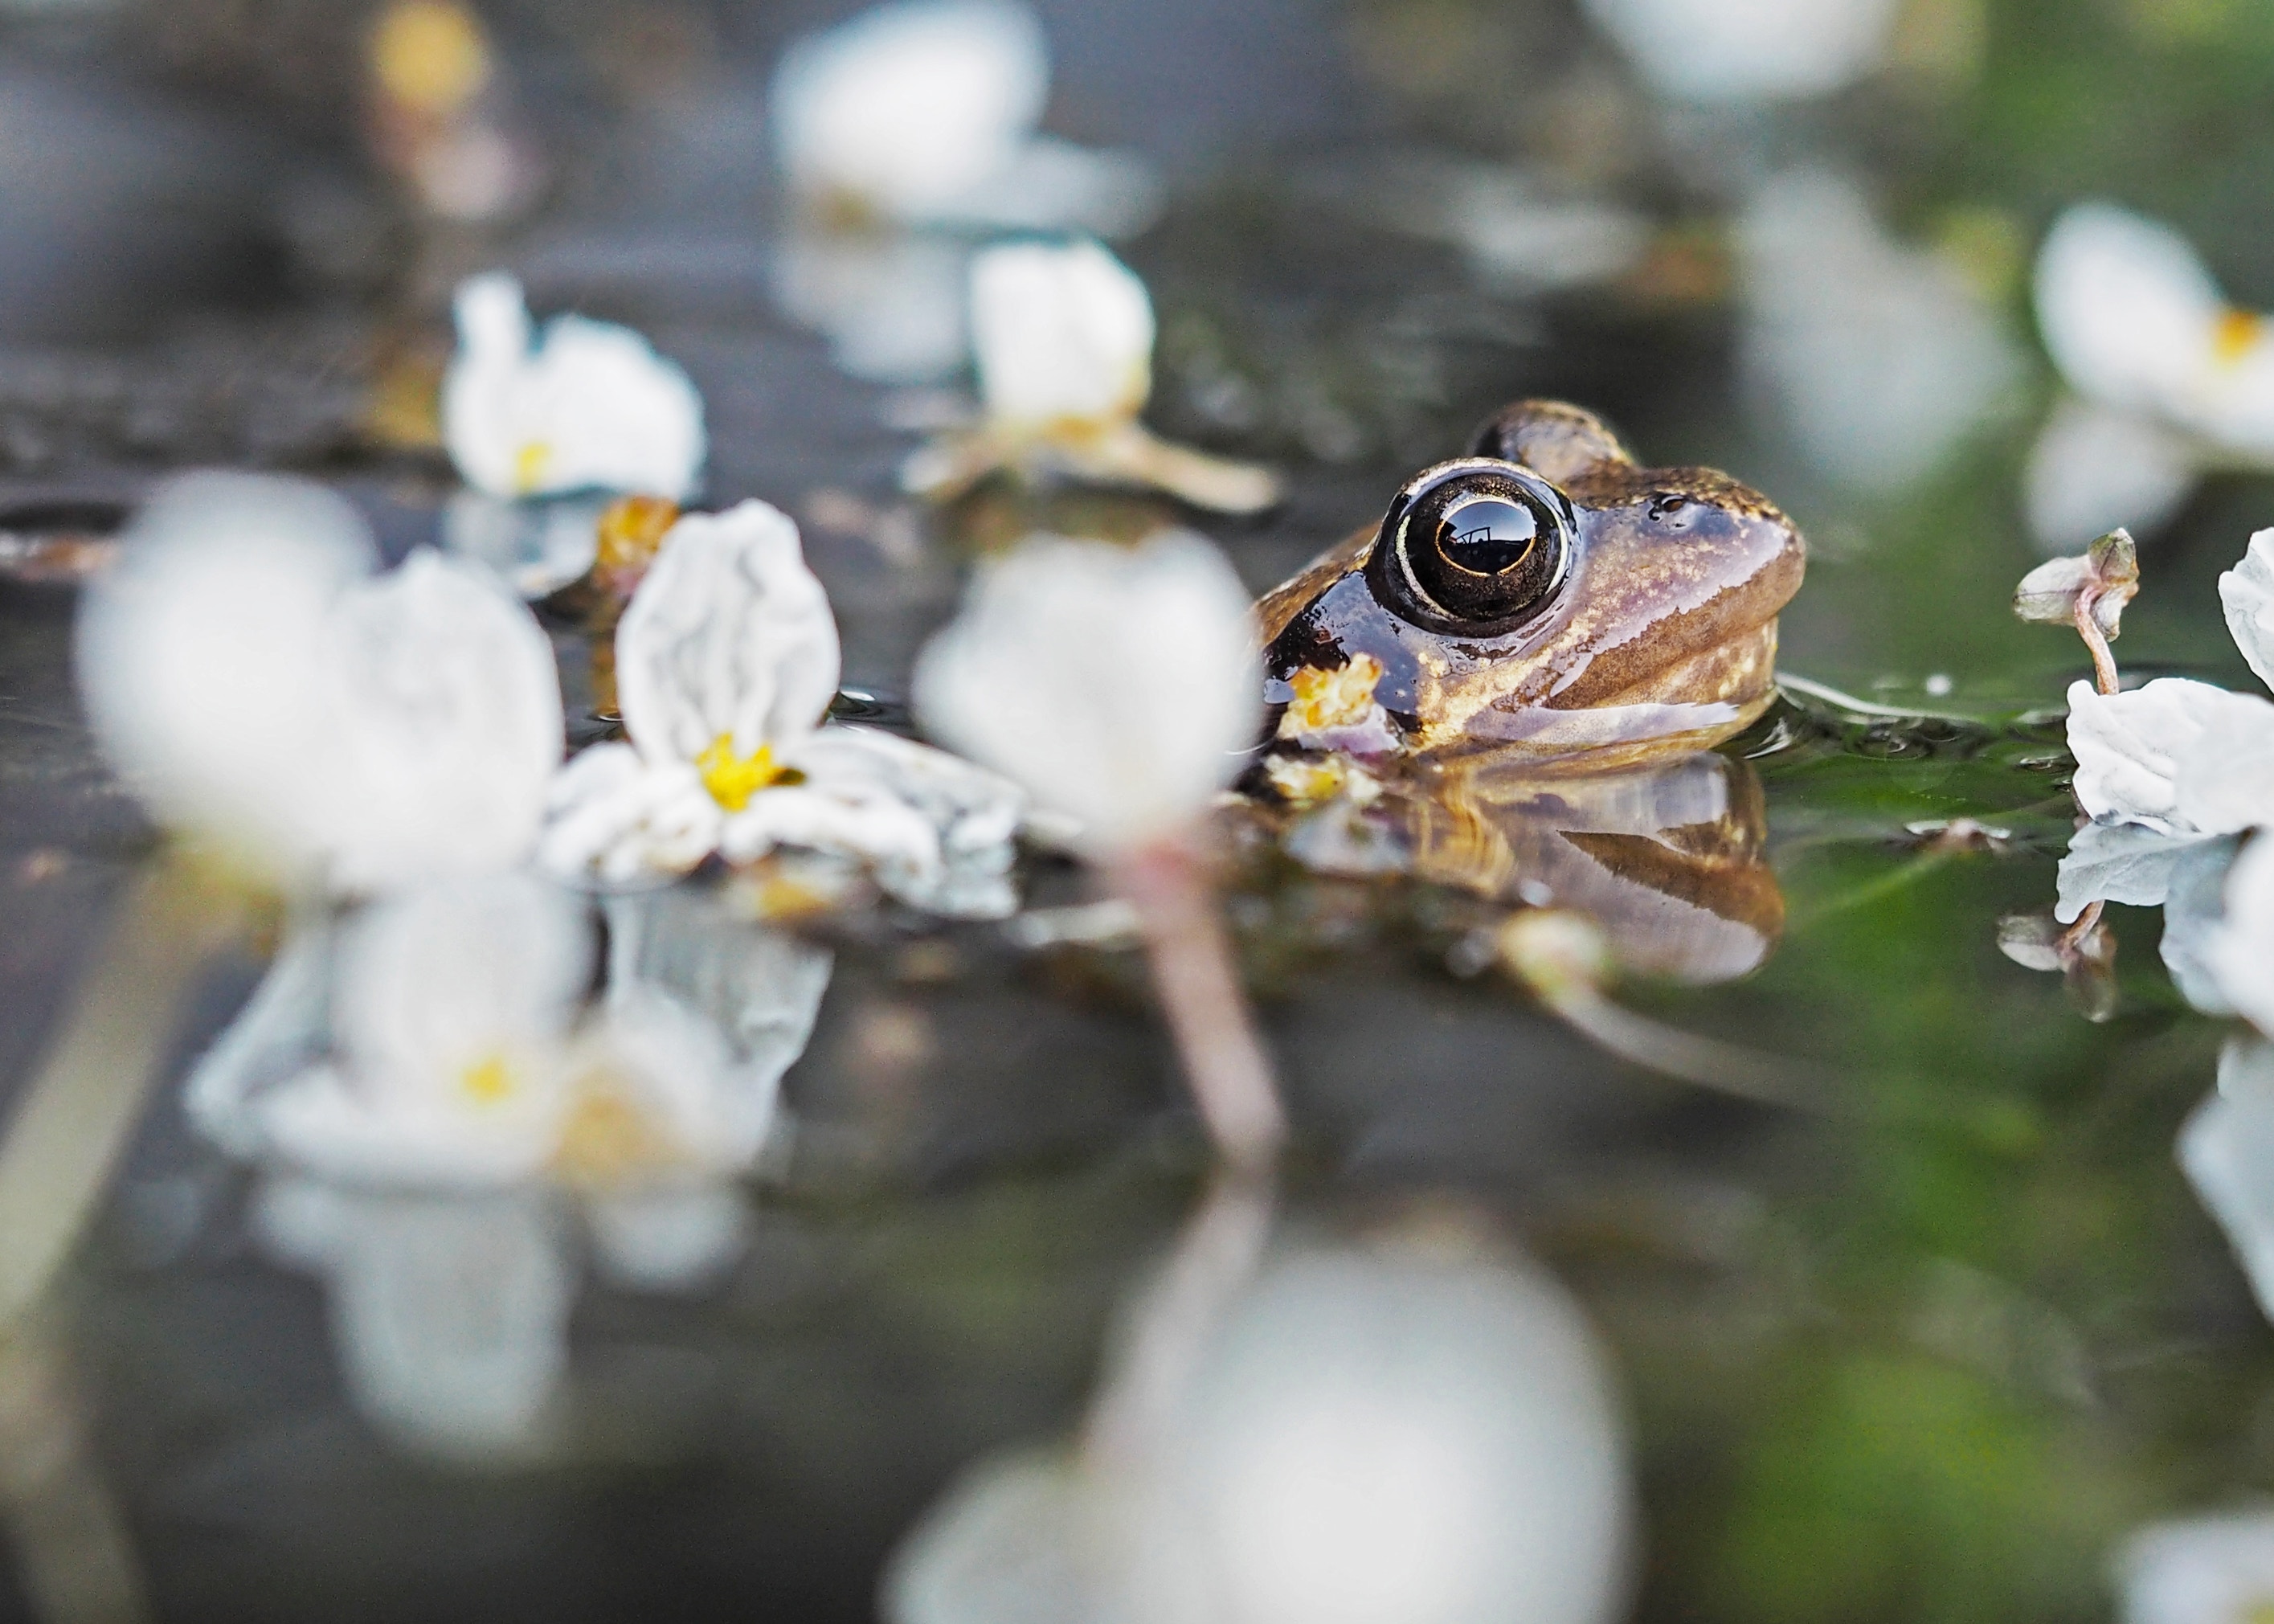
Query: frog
point(1544, 595)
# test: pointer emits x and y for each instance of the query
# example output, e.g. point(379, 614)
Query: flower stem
point(2088, 627)
point(1230, 1075)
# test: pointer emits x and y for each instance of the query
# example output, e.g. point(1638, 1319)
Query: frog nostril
point(1670, 509)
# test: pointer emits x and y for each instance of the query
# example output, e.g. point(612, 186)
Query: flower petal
point(2118, 862)
point(1062, 333)
point(1120, 686)
point(729, 635)
point(972, 815)
point(2194, 911)
point(2247, 593)
point(617, 818)
point(591, 406)
point(2127, 308)
point(910, 106)
point(449, 712)
point(2130, 746)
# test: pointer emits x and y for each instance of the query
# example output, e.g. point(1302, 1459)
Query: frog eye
point(1475, 545)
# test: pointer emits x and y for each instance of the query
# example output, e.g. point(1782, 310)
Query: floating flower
point(1123, 688)
point(435, 122)
point(1064, 335)
point(1881, 356)
point(1120, 686)
point(2204, 1570)
point(1369, 1434)
point(2173, 380)
point(255, 681)
point(925, 111)
point(726, 660)
point(585, 406)
point(1717, 51)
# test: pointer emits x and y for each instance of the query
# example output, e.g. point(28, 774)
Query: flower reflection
point(257, 684)
point(443, 1118)
point(726, 662)
point(1416, 1431)
point(2171, 378)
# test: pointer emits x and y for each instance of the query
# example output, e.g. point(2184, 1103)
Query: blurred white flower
point(587, 405)
point(726, 662)
point(1063, 336)
point(2203, 1570)
point(1370, 1435)
point(254, 682)
point(1880, 358)
point(1716, 51)
point(2174, 379)
point(1120, 686)
point(925, 111)
point(1063, 333)
point(2159, 755)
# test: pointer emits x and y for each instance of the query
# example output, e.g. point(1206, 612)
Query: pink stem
point(2088, 627)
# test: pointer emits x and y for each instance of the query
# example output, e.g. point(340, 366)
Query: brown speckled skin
point(1663, 633)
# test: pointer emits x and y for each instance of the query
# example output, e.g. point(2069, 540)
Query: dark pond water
point(1923, 1343)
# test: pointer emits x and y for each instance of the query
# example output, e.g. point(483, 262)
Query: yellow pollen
point(733, 779)
point(488, 1081)
point(2257, 1610)
point(528, 465)
point(1340, 697)
point(2236, 335)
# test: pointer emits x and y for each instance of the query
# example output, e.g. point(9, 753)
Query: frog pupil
point(1488, 536)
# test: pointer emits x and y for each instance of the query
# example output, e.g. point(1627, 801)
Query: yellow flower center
point(1340, 697)
point(733, 779)
point(530, 463)
point(489, 1081)
point(2236, 335)
point(2257, 1610)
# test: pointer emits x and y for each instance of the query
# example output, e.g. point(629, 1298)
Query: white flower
point(2176, 377)
point(1881, 356)
point(2203, 1570)
point(587, 406)
point(254, 682)
point(1370, 1437)
point(1063, 332)
point(2159, 755)
point(1120, 686)
point(924, 111)
point(725, 661)
point(535, 548)
point(2247, 593)
point(911, 106)
point(1711, 51)
point(1064, 335)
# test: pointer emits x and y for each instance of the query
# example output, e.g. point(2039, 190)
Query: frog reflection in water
point(1532, 654)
